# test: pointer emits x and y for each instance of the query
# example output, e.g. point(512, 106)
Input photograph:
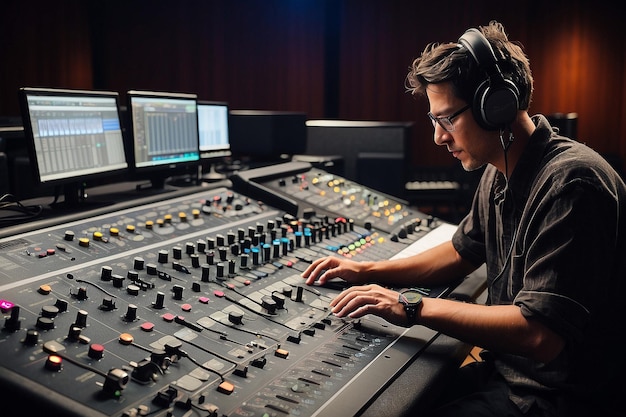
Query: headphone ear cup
point(495, 106)
point(496, 99)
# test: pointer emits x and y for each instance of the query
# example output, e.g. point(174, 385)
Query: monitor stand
point(75, 197)
point(212, 175)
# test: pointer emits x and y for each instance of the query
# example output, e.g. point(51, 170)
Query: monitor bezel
point(71, 178)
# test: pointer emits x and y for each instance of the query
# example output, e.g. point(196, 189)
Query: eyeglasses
point(446, 121)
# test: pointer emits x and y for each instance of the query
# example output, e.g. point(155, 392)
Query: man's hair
point(452, 62)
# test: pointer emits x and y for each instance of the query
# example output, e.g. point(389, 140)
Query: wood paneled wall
point(343, 59)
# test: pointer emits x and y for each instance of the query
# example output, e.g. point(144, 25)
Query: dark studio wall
point(343, 59)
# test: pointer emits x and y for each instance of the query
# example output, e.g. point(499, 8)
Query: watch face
point(413, 297)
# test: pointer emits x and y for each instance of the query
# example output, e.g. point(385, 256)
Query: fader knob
point(269, 304)
point(279, 299)
point(243, 261)
point(178, 292)
point(138, 263)
point(74, 333)
point(61, 305)
point(45, 323)
point(151, 269)
point(81, 318)
point(163, 256)
point(118, 280)
point(205, 273)
point(160, 358)
point(48, 311)
point(255, 256)
point(116, 380)
point(210, 257)
point(235, 317)
point(32, 337)
point(107, 304)
point(299, 294)
point(287, 291)
point(132, 275)
point(131, 313)
point(160, 299)
point(81, 294)
point(105, 273)
point(12, 323)
point(132, 289)
point(220, 271)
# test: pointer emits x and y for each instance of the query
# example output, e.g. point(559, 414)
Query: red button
point(54, 363)
point(96, 351)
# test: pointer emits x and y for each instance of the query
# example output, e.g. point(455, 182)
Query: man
point(548, 219)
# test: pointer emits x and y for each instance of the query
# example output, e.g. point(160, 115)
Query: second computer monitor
point(213, 129)
point(165, 134)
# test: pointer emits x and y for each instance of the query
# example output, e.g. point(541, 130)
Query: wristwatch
point(410, 299)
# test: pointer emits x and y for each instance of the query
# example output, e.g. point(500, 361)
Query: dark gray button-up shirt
point(554, 242)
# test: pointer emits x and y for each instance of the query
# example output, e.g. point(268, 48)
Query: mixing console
point(194, 305)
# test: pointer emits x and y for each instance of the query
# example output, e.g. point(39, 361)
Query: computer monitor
point(214, 137)
point(73, 136)
point(165, 141)
point(267, 136)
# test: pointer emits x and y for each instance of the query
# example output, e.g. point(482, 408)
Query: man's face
point(468, 142)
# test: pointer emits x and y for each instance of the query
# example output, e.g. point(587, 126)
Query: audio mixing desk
point(192, 304)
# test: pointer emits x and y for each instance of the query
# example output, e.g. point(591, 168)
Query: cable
point(10, 203)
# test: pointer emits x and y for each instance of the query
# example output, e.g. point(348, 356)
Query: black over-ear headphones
point(496, 100)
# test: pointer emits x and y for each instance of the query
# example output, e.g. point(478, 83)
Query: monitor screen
point(73, 135)
point(165, 132)
point(213, 129)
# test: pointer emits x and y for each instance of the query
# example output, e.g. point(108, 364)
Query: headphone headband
point(496, 99)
